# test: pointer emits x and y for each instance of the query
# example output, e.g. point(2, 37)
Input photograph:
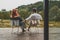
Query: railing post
point(46, 26)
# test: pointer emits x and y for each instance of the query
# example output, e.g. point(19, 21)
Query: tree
point(53, 13)
point(58, 16)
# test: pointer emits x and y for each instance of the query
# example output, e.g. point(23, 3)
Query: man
point(34, 16)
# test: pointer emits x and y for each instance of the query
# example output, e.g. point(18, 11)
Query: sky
point(11, 4)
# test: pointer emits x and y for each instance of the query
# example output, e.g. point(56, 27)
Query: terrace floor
point(33, 34)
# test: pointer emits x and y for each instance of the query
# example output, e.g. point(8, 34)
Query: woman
point(16, 19)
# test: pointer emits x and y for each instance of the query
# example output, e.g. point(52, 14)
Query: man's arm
point(29, 17)
point(41, 18)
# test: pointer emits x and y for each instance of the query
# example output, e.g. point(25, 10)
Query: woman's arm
point(11, 14)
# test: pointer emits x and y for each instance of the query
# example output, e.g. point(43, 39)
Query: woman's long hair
point(14, 12)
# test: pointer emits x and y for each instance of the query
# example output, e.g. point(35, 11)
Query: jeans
point(14, 22)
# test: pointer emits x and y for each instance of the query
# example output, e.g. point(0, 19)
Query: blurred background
point(26, 9)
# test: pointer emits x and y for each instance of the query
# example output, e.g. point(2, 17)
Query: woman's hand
point(11, 16)
point(16, 16)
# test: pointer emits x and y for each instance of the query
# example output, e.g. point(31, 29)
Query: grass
point(54, 23)
point(6, 23)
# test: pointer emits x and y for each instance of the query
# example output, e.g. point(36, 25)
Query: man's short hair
point(34, 9)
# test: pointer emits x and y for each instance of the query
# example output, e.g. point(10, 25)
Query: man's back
point(35, 16)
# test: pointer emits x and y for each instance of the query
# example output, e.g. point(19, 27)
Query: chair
point(34, 23)
point(15, 25)
point(21, 25)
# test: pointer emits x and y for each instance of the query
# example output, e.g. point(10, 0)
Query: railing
point(6, 23)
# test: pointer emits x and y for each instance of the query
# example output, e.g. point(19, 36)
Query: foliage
point(26, 10)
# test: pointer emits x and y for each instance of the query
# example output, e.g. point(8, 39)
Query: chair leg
point(29, 28)
point(17, 29)
point(12, 30)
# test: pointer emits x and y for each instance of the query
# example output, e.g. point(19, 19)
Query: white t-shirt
point(35, 16)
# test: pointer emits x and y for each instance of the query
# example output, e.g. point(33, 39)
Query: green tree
point(53, 13)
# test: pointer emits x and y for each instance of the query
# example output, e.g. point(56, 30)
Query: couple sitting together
point(16, 19)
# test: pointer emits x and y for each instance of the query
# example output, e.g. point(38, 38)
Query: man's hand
point(24, 20)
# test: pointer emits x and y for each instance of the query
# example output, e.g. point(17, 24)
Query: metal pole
point(46, 26)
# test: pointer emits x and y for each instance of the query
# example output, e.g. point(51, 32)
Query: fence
point(6, 23)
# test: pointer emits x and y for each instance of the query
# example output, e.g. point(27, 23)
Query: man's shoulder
point(35, 14)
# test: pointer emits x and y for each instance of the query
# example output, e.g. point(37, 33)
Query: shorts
point(14, 22)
